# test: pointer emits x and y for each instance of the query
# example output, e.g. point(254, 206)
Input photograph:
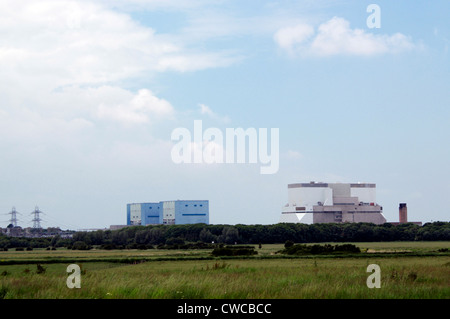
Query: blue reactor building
point(175, 212)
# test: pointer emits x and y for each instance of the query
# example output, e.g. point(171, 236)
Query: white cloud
point(195, 61)
point(78, 121)
point(206, 110)
point(335, 37)
point(81, 42)
point(161, 4)
point(63, 63)
point(293, 155)
point(140, 109)
point(35, 130)
point(287, 37)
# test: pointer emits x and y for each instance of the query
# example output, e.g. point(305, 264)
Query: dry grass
point(401, 277)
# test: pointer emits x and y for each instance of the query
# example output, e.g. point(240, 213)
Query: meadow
point(408, 270)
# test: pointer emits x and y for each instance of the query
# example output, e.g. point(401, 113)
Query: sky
point(91, 91)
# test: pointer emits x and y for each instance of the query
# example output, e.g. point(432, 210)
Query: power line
point(59, 223)
point(13, 219)
point(36, 220)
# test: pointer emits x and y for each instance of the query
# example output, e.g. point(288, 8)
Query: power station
point(312, 203)
point(168, 212)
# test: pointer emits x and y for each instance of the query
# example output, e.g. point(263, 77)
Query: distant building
point(312, 203)
point(31, 232)
point(116, 227)
point(168, 212)
point(403, 216)
point(15, 231)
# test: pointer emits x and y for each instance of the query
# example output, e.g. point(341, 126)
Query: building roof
point(320, 184)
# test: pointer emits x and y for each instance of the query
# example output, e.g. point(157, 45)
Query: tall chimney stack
point(403, 213)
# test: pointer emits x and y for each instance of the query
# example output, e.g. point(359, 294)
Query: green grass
point(65, 255)
point(402, 276)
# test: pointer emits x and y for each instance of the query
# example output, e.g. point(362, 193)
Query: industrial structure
point(36, 218)
point(312, 203)
point(13, 220)
point(403, 213)
point(403, 216)
point(168, 212)
point(36, 231)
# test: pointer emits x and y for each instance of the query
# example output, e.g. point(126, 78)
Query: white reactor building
point(312, 203)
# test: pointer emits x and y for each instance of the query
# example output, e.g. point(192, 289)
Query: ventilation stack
point(403, 213)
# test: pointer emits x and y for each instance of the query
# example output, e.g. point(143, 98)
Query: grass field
point(408, 270)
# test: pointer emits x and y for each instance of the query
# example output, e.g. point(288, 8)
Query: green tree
point(206, 236)
point(230, 235)
point(80, 245)
point(155, 236)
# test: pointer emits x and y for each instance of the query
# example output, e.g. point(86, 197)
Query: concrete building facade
point(312, 203)
point(168, 212)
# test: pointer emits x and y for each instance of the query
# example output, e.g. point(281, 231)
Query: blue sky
point(91, 91)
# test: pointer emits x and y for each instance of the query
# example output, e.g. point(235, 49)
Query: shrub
point(80, 245)
point(288, 243)
point(302, 249)
point(3, 292)
point(40, 269)
point(234, 251)
point(108, 246)
point(217, 266)
point(347, 248)
point(175, 241)
point(412, 276)
point(197, 245)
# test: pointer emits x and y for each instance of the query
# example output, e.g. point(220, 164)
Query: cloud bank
point(336, 37)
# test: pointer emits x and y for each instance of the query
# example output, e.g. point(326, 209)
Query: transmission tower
point(13, 219)
point(36, 219)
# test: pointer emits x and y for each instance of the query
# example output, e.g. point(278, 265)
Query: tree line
point(7, 242)
point(266, 234)
point(133, 236)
